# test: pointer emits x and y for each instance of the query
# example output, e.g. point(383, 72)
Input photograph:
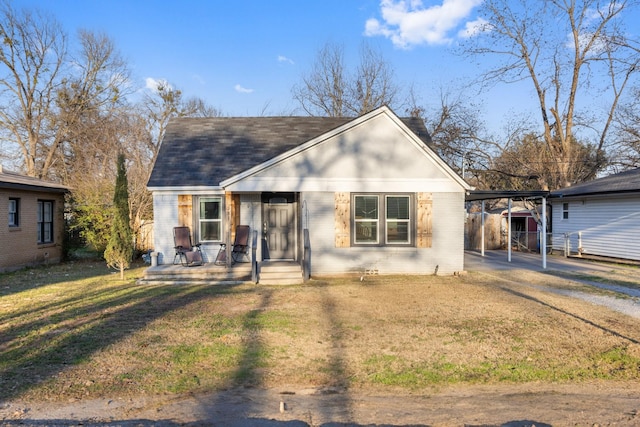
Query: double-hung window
point(565, 210)
point(45, 221)
point(382, 219)
point(14, 212)
point(397, 218)
point(210, 219)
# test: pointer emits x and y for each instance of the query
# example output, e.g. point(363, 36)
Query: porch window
point(14, 212)
point(210, 219)
point(565, 211)
point(45, 221)
point(382, 219)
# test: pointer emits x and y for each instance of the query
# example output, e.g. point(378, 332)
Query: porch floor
point(207, 272)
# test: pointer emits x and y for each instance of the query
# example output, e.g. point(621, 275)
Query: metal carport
point(482, 195)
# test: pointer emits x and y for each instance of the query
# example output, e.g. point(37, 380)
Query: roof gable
point(204, 152)
point(377, 149)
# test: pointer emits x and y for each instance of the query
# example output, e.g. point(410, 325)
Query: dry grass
point(74, 331)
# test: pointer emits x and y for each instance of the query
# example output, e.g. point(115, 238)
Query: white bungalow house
point(599, 217)
point(357, 194)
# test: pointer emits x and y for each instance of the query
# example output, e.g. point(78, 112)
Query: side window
point(565, 211)
point(210, 219)
point(14, 212)
point(45, 221)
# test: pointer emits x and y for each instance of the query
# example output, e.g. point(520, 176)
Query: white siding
point(165, 213)
point(607, 226)
point(251, 215)
point(375, 156)
point(446, 254)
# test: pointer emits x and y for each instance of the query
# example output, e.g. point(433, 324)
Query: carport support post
point(543, 239)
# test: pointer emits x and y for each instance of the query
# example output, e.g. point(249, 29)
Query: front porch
point(268, 272)
point(205, 273)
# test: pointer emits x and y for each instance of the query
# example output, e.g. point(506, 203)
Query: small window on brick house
point(14, 212)
point(45, 221)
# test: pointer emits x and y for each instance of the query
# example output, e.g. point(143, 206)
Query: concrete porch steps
point(280, 273)
point(206, 273)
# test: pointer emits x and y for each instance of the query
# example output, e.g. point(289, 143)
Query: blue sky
point(244, 57)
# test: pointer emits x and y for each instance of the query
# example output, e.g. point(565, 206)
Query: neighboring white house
point(599, 217)
point(370, 191)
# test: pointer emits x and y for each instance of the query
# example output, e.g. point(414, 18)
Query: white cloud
point(241, 89)
point(472, 28)
point(282, 58)
point(153, 84)
point(410, 23)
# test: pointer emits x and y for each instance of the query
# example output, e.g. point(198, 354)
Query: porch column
point(228, 203)
point(482, 230)
point(509, 232)
point(543, 238)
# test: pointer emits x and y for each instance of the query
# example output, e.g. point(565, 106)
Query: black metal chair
point(187, 254)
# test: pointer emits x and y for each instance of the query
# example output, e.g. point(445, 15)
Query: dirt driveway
point(484, 315)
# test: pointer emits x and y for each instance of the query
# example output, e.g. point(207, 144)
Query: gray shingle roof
point(15, 180)
point(623, 182)
point(206, 151)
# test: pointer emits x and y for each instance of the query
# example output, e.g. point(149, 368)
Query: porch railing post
point(306, 257)
point(254, 257)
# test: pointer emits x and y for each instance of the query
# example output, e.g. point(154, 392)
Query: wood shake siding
point(342, 228)
point(424, 220)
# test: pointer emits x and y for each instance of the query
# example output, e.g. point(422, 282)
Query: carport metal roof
point(478, 195)
point(482, 195)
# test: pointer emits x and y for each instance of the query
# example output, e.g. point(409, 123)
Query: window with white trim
point(45, 221)
point(210, 219)
point(398, 219)
point(14, 212)
point(565, 211)
point(382, 219)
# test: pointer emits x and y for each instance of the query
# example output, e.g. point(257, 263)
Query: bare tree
point(32, 56)
point(322, 91)
point(373, 85)
point(564, 48)
point(330, 90)
point(626, 152)
point(164, 103)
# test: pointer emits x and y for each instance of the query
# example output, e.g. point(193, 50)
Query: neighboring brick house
point(32, 221)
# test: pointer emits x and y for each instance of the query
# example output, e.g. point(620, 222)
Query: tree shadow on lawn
point(244, 385)
point(40, 347)
point(30, 278)
point(575, 316)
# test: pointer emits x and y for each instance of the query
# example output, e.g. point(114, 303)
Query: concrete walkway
point(498, 260)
